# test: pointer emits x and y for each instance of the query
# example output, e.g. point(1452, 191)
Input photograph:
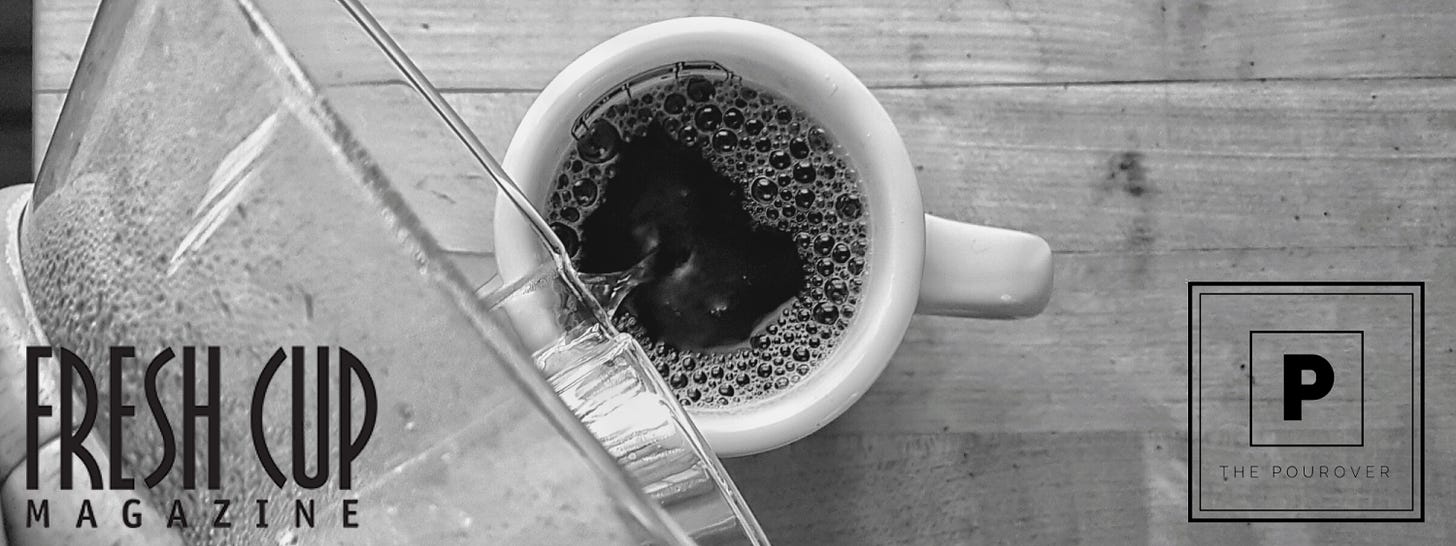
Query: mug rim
point(813, 80)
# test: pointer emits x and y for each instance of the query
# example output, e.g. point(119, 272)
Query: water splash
point(610, 289)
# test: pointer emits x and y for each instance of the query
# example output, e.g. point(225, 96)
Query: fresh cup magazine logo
point(79, 468)
point(1306, 401)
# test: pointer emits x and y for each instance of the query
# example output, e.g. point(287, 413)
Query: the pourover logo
point(314, 374)
point(1306, 401)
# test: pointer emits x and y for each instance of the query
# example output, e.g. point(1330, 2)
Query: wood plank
point(950, 489)
point(1153, 167)
point(1018, 488)
point(891, 43)
point(1106, 301)
point(1183, 166)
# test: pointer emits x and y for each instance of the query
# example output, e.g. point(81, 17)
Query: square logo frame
point(1197, 512)
point(1252, 372)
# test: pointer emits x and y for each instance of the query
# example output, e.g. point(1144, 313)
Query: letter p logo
point(1296, 391)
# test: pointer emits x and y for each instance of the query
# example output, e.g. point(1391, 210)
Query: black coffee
point(752, 217)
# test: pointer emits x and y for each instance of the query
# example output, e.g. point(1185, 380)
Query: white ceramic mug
point(916, 262)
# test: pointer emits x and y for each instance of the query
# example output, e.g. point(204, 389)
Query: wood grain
point(1200, 222)
point(900, 43)
point(1028, 432)
point(1159, 166)
point(1110, 352)
point(1051, 488)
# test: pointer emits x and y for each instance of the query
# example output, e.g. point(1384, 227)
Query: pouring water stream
point(607, 290)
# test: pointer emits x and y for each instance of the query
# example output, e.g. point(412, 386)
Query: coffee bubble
point(823, 244)
point(783, 115)
point(819, 139)
point(733, 118)
point(803, 239)
point(764, 189)
point(826, 313)
point(848, 206)
point(804, 173)
point(674, 103)
point(584, 192)
point(804, 198)
point(799, 148)
point(699, 89)
point(836, 290)
point(688, 137)
point(707, 118)
point(825, 266)
point(600, 142)
point(779, 159)
point(725, 140)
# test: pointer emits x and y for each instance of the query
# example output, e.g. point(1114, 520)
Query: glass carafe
point(257, 175)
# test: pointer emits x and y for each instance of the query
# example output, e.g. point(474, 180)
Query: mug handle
point(983, 272)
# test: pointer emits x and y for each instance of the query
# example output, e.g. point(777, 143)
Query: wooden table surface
point(1149, 142)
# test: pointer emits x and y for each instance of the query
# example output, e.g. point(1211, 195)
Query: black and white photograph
point(685, 273)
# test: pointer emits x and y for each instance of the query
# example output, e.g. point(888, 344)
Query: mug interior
point(806, 76)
